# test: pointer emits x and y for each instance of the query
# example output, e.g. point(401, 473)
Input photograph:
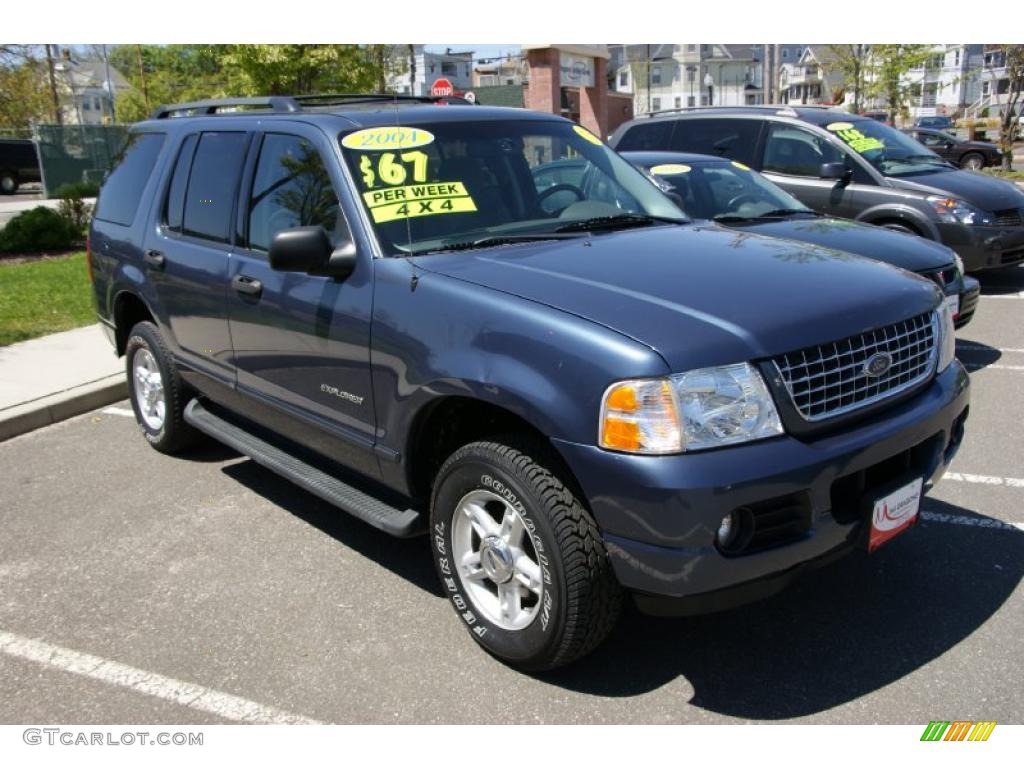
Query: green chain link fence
point(69, 154)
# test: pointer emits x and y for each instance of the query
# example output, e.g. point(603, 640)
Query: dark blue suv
point(573, 390)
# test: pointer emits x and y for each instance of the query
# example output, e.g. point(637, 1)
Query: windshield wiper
point(617, 221)
point(492, 240)
point(778, 213)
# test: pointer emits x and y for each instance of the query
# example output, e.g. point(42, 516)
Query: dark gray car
point(852, 167)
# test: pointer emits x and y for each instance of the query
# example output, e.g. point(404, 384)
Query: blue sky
point(479, 51)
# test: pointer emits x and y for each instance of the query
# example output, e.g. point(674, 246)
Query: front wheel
point(972, 161)
point(520, 559)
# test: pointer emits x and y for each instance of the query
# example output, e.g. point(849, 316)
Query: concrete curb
point(59, 406)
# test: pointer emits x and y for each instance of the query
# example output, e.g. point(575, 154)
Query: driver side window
point(797, 152)
point(290, 188)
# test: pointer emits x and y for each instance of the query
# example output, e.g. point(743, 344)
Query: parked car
point(973, 155)
point(19, 164)
point(879, 115)
point(734, 195)
point(935, 122)
point(367, 296)
point(852, 167)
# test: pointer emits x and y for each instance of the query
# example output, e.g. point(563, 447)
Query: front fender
point(901, 212)
point(440, 336)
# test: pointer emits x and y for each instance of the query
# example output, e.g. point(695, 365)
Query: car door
point(301, 342)
point(937, 143)
point(792, 158)
point(186, 254)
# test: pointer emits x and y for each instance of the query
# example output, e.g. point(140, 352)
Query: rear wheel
point(520, 559)
point(8, 183)
point(157, 394)
point(972, 161)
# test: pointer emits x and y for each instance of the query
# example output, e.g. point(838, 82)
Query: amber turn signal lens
point(640, 417)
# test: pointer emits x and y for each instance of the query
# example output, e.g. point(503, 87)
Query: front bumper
point(984, 247)
point(659, 514)
point(969, 295)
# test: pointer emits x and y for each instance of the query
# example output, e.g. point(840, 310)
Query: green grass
point(41, 296)
point(1014, 175)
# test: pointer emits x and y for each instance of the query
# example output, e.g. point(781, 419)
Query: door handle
point(155, 258)
point(247, 286)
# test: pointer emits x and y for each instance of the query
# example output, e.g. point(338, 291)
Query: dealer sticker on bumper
point(894, 513)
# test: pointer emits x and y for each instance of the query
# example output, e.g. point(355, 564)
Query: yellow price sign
point(670, 169)
point(587, 135)
point(418, 200)
point(390, 168)
point(387, 137)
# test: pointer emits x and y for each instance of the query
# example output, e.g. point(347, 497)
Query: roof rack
point(778, 108)
point(290, 103)
point(214, 106)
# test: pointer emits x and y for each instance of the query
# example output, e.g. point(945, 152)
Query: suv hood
point(700, 295)
point(909, 252)
point(983, 191)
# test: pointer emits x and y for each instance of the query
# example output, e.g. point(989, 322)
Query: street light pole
point(709, 82)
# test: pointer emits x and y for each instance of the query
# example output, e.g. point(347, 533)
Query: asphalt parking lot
point(139, 588)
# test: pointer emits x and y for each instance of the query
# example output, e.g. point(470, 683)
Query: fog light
point(728, 530)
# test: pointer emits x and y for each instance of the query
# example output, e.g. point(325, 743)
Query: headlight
point(946, 337)
point(954, 211)
point(704, 408)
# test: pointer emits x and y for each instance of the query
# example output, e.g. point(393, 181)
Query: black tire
point(580, 600)
point(973, 161)
point(8, 182)
point(174, 434)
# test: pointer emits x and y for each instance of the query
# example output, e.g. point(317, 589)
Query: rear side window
point(179, 182)
point(122, 191)
point(212, 185)
point(733, 139)
point(652, 136)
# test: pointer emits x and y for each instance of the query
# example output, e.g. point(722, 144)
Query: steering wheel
point(746, 197)
point(545, 194)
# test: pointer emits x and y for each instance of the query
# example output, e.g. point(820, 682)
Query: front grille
point(1008, 218)
point(831, 379)
point(942, 277)
point(1011, 257)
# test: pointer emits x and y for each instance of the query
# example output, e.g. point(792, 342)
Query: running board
point(402, 523)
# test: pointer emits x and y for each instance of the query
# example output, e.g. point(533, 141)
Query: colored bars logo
point(958, 730)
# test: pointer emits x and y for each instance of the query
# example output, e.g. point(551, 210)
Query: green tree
point(23, 94)
point(162, 74)
point(851, 61)
point(889, 66)
point(301, 69)
point(1009, 111)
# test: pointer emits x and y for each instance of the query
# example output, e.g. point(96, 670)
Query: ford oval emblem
point(878, 364)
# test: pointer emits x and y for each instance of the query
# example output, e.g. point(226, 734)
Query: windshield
point(712, 190)
point(891, 152)
point(459, 184)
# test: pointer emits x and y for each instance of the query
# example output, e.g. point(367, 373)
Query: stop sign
point(442, 87)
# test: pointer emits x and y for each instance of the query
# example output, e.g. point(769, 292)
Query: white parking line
point(187, 694)
point(1018, 295)
point(963, 477)
point(972, 522)
point(115, 411)
point(969, 345)
point(979, 366)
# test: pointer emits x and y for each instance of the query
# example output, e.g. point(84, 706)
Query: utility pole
point(57, 116)
point(412, 70)
point(110, 85)
point(649, 78)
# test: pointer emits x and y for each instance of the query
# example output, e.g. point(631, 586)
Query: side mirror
point(837, 171)
point(308, 249)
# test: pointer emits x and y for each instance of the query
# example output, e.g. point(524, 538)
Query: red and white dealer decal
point(894, 513)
